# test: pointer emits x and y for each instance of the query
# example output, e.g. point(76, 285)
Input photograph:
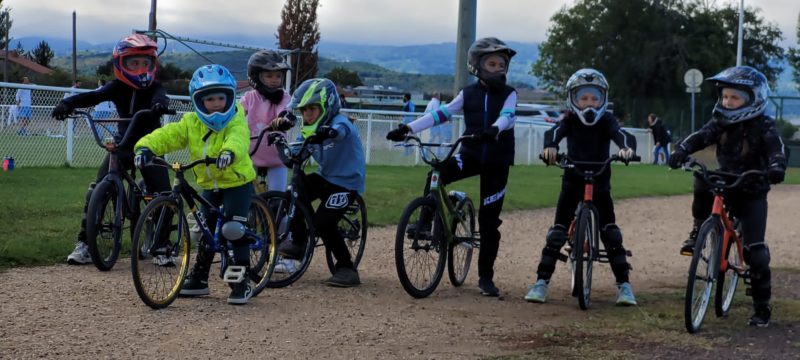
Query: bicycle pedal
point(563, 257)
point(234, 274)
point(628, 253)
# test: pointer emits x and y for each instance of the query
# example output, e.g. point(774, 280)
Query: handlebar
point(132, 124)
point(259, 138)
point(716, 178)
point(433, 160)
point(285, 152)
point(178, 167)
point(565, 162)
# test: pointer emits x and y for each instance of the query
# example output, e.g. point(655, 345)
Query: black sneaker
point(288, 249)
point(240, 293)
point(687, 249)
point(344, 277)
point(195, 285)
point(761, 316)
point(424, 232)
point(487, 288)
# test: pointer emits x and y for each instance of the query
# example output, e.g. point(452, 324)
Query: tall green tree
point(343, 77)
point(794, 57)
point(299, 31)
point(5, 24)
point(42, 54)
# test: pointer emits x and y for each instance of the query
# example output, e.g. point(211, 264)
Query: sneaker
point(424, 233)
point(195, 285)
point(240, 293)
point(487, 288)
point(687, 249)
point(164, 261)
point(286, 266)
point(79, 256)
point(290, 250)
point(344, 277)
point(537, 292)
point(625, 295)
point(761, 316)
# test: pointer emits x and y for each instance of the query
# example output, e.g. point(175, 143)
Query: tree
point(5, 24)
point(299, 31)
point(794, 57)
point(645, 46)
point(343, 77)
point(169, 71)
point(42, 54)
point(106, 69)
point(20, 50)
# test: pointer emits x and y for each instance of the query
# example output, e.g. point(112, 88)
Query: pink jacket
point(260, 113)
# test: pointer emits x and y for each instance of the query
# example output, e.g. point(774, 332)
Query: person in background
point(660, 138)
point(24, 110)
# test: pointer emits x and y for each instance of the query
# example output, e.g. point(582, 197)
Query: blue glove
point(224, 159)
point(143, 157)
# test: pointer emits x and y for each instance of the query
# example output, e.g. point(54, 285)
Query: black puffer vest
point(481, 110)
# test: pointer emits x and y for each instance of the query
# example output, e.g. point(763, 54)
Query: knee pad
point(612, 238)
point(758, 257)
point(556, 238)
point(234, 230)
point(89, 191)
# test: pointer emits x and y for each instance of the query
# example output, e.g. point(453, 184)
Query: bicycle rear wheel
point(287, 271)
point(264, 246)
point(459, 252)
point(582, 256)
point(104, 222)
point(728, 278)
point(419, 250)
point(161, 241)
point(353, 229)
point(702, 270)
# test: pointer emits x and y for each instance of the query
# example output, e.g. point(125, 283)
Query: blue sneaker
point(537, 292)
point(625, 295)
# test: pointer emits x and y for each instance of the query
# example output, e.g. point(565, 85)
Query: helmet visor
point(494, 63)
point(589, 96)
point(138, 63)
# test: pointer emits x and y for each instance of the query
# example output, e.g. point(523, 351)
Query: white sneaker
point(286, 266)
point(164, 260)
point(79, 256)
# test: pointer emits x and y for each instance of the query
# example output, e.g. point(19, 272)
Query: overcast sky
point(404, 22)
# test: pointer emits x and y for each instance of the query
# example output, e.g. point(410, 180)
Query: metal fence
point(49, 142)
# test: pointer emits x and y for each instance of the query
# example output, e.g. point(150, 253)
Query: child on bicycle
point(745, 139)
point(217, 129)
point(341, 174)
point(134, 89)
point(489, 112)
point(589, 130)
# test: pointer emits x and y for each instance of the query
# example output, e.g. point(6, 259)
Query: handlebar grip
point(170, 112)
point(635, 158)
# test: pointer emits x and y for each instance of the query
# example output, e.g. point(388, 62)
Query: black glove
point(158, 109)
point(326, 132)
point(61, 111)
point(490, 134)
point(285, 121)
point(272, 138)
point(776, 173)
point(677, 158)
point(224, 159)
point(398, 134)
point(143, 157)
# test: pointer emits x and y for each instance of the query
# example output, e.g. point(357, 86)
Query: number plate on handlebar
point(435, 180)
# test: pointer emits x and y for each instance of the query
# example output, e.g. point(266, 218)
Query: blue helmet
point(212, 79)
point(746, 79)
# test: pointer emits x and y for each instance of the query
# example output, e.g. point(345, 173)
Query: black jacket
point(128, 101)
point(481, 109)
point(660, 134)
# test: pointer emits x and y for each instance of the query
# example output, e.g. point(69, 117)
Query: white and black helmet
point(746, 79)
point(265, 60)
point(587, 78)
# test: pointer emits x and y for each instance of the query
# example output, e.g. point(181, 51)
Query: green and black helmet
point(319, 91)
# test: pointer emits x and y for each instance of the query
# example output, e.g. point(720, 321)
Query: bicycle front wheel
point(728, 278)
point(583, 254)
point(161, 242)
point(287, 271)
point(264, 245)
point(419, 250)
point(702, 270)
point(353, 229)
point(459, 252)
point(104, 223)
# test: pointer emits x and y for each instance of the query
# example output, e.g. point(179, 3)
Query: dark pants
point(334, 202)
point(751, 210)
point(236, 203)
point(156, 179)
point(572, 189)
point(493, 189)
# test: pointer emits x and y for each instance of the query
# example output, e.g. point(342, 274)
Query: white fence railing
point(49, 142)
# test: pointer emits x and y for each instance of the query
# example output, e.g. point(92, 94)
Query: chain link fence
point(39, 140)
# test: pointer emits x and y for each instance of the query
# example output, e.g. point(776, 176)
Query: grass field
point(41, 208)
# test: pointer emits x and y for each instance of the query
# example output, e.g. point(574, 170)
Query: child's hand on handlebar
point(626, 153)
point(224, 159)
point(62, 111)
point(549, 155)
point(398, 134)
point(143, 157)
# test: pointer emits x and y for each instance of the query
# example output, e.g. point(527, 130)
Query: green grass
point(41, 208)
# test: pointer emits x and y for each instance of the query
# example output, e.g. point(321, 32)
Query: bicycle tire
point(278, 203)
point(459, 252)
point(104, 222)
point(583, 254)
point(264, 250)
point(353, 229)
point(421, 247)
point(725, 290)
point(696, 299)
point(162, 216)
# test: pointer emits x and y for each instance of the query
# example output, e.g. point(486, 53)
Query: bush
point(786, 129)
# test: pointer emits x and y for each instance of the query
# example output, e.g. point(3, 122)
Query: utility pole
point(152, 26)
point(5, 62)
point(74, 47)
point(467, 13)
point(741, 34)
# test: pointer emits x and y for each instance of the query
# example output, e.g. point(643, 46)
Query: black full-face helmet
point(265, 60)
point(478, 53)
